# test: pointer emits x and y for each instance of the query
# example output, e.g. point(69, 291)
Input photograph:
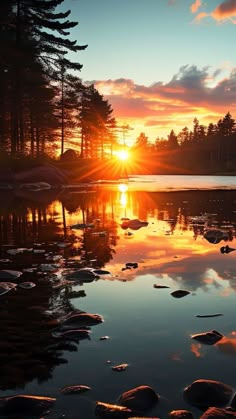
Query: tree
point(27, 35)
point(96, 122)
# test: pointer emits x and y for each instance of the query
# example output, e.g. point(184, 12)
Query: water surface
point(147, 327)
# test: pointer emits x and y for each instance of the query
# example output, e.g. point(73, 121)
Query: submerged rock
point(139, 398)
point(205, 393)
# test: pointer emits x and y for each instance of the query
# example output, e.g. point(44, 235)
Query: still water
point(148, 328)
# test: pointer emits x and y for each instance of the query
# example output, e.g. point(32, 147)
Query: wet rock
point(106, 410)
point(215, 236)
point(226, 249)
point(101, 272)
point(121, 367)
point(205, 393)
point(135, 224)
point(233, 402)
point(216, 413)
point(83, 275)
point(7, 274)
point(179, 293)
point(208, 338)
point(82, 319)
point(181, 414)
point(25, 405)
point(139, 398)
point(5, 287)
point(47, 173)
point(76, 389)
point(27, 285)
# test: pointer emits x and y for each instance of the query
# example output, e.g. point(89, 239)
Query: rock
point(205, 393)
point(25, 405)
point(76, 389)
point(208, 338)
point(106, 410)
point(83, 275)
point(121, 367)
point(216, 413)
point(139, 398)
point(47, 173)
point(135, 224)
point(82, 319)
point(9, 274)
point(233, 402)
point(181, 414)
point(215, 236)
point(179, 293)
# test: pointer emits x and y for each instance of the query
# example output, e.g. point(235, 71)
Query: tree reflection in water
point(28, 316)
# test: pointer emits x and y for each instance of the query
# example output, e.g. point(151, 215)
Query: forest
point(46, 110)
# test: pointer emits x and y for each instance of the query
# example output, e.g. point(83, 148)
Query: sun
point(122, 155)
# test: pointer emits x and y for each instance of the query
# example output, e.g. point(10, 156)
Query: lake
point(87, 226)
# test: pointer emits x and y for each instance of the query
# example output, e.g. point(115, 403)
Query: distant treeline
point(203, 150)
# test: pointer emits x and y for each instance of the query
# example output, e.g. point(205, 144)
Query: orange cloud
point(160, 107)
point(225, 11)
point(195, 6)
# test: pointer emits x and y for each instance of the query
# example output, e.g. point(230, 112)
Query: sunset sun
point(123, 155)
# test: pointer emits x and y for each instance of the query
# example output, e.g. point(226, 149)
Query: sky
point(159, 63)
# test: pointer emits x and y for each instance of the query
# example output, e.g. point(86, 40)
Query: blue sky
point(160, 63)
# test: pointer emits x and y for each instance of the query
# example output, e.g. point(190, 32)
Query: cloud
point(225, 11)
point(195, 6)
point(192, 92)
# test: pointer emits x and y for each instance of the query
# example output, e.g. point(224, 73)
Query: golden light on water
point(123, 187)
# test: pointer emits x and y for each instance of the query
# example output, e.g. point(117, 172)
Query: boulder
point(48, 174)
point(208, 338)
point(216, 413)
point(139, 398)
point(206, 393)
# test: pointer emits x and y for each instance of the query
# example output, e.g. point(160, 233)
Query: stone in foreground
point(139, 398)
point(107, 410)
point(206, 393)
point(216, 413)
point(25, 405)
point(181, 414)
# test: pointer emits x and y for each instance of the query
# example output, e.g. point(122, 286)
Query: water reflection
point(170, 249)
